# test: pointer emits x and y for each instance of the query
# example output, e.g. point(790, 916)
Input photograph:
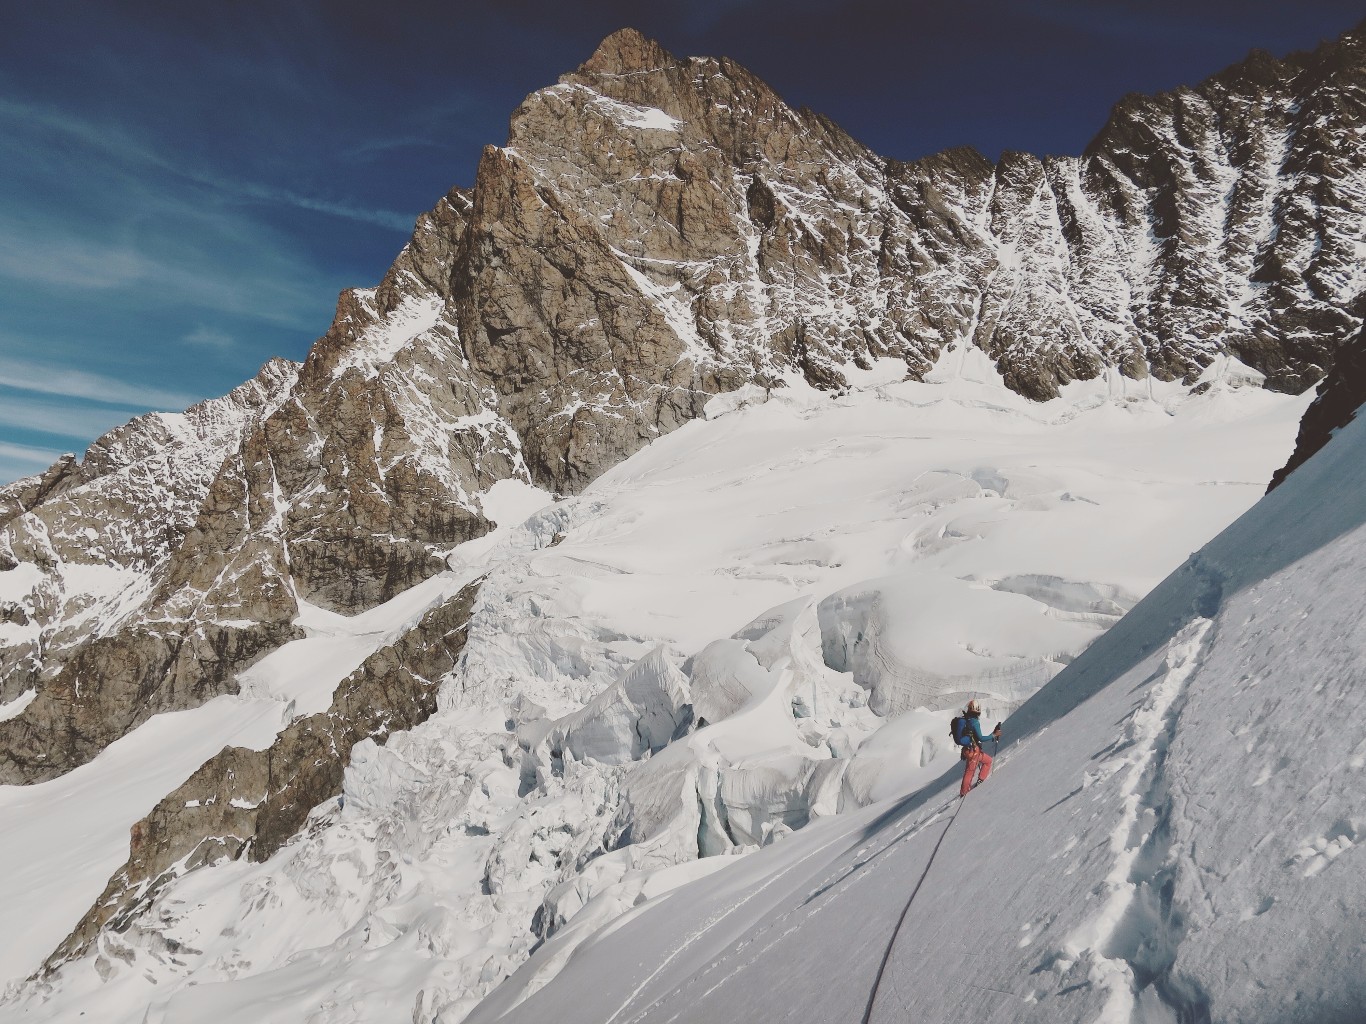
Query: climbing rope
point(887, 953)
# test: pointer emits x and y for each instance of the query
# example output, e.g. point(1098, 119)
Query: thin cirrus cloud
point(120, 145)
point(47, 255)
point(27, 455)
point(246, 190)
point(164, 249)
point(163, 283)
point(39, 259)
point(157, 232)
point(208, 337)
point(23, 375)
point(21, 460)
point(74, 421)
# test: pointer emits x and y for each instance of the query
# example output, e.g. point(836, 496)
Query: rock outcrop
point(1341, 396)
point(249, 803)
point(108, 638)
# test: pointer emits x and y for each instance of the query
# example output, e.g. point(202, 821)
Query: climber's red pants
point(978, 760)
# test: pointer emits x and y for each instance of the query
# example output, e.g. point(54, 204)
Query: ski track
point(834, 885)
point(707, 926)
point(830, 888)
point(901, 918)
point(1119, 955)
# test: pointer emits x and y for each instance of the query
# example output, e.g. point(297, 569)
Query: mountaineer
point(967, 733)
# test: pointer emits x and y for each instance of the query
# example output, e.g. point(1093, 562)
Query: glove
point(997, 731)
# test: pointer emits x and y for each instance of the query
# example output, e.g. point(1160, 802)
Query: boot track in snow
point(1137, 978)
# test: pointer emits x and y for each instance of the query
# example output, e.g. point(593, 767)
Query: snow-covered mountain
point(435, 647)
point(657, 231)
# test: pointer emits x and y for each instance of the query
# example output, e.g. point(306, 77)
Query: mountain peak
point(624, 51)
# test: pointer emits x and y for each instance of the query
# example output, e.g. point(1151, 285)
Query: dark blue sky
point(185, 186)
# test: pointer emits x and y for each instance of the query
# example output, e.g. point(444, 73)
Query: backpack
point(962, 736)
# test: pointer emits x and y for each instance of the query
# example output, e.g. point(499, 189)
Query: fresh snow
point(90, 596)
point(653, 117)
point(64, 838)
point(629, 114)
point(380, 342)
point(821, 578)
point(1170, 835)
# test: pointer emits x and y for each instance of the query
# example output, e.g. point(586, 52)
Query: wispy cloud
point(69, 420)
point(20, 460)
point(207, 337)
point(260, 193)
point(45, 254)
point(107, 139)
point(68, 262)
point(113, 142)
point(153, 234)
point(267, 194)
point(23, 375)
point(28, 454)
point(368, 148)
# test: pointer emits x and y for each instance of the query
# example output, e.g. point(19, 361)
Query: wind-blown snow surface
point(757, 622)
point(1172, 834)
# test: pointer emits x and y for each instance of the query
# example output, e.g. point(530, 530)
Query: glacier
point(1170, 836)
point(746, 637)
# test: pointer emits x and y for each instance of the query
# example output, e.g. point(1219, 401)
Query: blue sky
point(185, 186)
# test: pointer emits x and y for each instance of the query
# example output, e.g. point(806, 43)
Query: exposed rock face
point(30, 492)
point(141, 485)
point(250, 802)
point(1342, 395)
point(102, 643)
point(658, 230)
point(651, 214)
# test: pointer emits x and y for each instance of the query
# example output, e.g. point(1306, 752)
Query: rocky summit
point(655, 232)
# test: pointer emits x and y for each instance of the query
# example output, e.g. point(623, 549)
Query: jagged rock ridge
point(94, 548)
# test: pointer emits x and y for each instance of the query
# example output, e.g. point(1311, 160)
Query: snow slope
point(1172, 833)
point(791, 571)
point(64, 838)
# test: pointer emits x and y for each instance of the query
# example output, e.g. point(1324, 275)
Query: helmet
point(974, 708)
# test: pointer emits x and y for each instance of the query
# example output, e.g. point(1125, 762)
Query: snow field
point(791, 571)
point(1156, 847)
point(64, 838)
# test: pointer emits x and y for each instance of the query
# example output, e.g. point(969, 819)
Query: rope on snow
point(887, 953)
